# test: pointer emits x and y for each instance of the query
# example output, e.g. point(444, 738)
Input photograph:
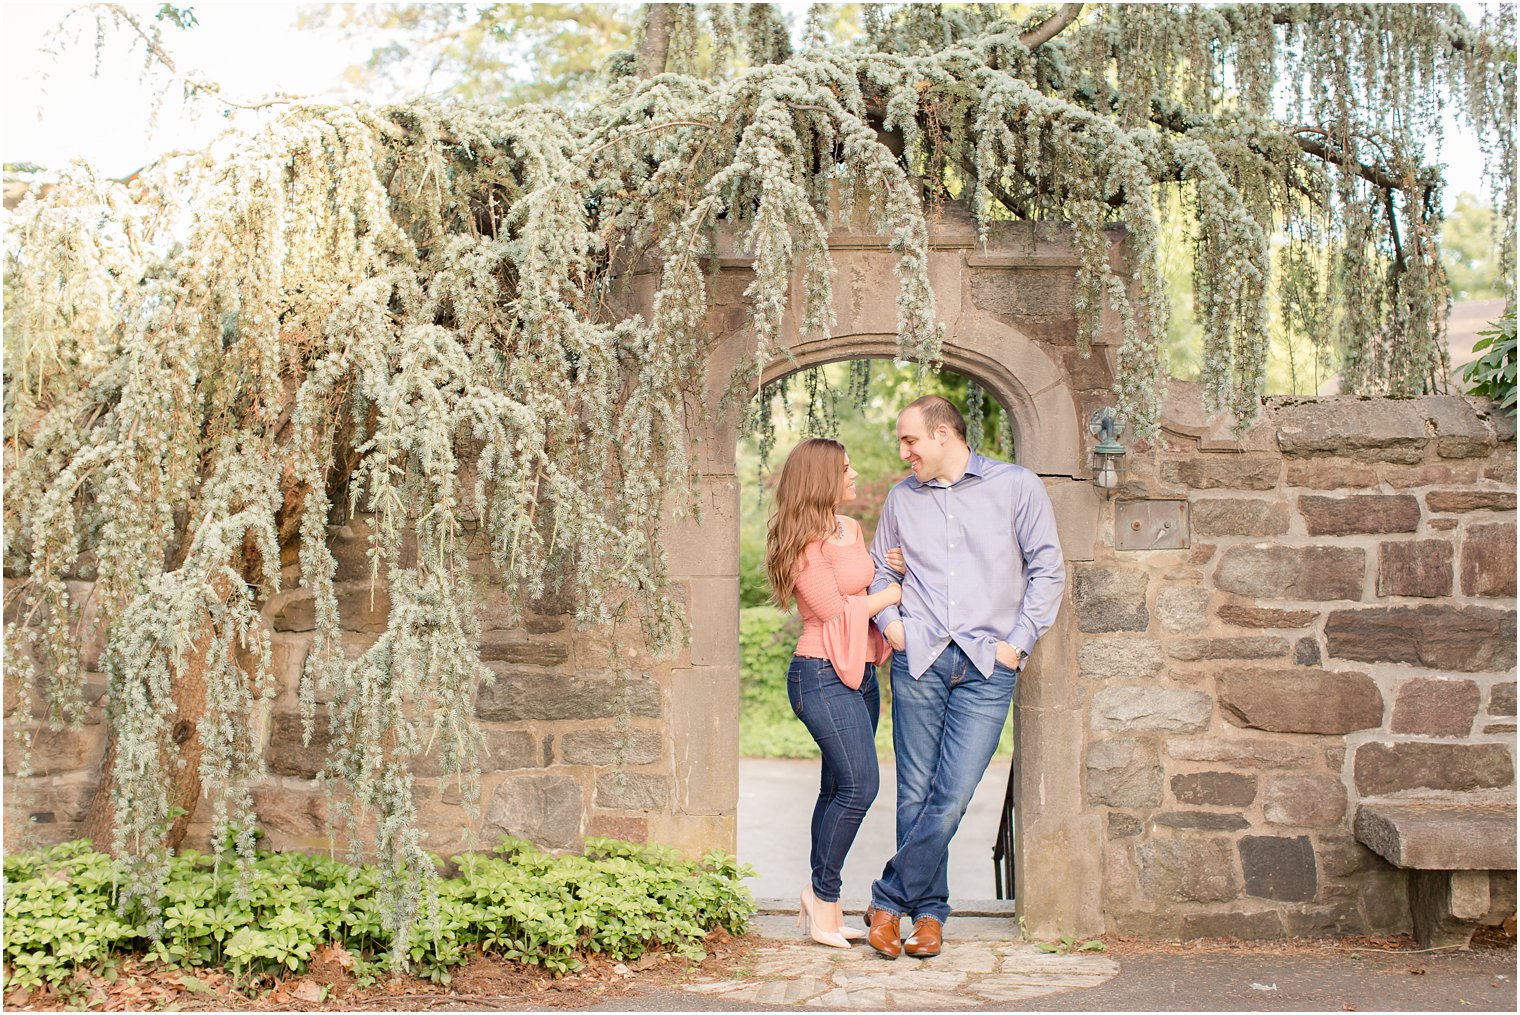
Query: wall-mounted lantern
point(1108, 454)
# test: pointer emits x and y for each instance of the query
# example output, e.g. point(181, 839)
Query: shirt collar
point(976, 466)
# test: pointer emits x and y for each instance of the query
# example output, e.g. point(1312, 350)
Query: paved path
point(776, 805)
point(985, 965)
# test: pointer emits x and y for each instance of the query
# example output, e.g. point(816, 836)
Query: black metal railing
point(1002, 850)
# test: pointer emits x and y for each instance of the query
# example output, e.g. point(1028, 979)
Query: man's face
point(923, 451)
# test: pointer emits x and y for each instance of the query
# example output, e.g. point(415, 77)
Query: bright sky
point(252, 50)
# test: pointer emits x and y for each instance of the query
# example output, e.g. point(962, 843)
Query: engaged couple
point(965, 573)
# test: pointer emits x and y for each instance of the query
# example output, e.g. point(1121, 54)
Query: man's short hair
point(937, 410)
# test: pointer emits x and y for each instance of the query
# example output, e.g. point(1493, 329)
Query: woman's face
point(847, 482)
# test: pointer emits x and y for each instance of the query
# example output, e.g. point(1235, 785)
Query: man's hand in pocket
point(1009, 656)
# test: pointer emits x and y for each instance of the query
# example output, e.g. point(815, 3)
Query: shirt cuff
point(883, 620)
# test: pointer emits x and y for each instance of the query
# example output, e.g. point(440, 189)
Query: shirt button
point(952, 602)
point(952, 546)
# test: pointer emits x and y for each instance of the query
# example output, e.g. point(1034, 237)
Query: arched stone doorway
point(1059, 848)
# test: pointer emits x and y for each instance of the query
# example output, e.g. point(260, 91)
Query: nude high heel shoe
point(833, 939)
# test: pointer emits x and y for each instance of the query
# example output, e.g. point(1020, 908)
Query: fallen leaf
point(1417, 972)
point(18, 997)
point(307, 991)
point(196, 985)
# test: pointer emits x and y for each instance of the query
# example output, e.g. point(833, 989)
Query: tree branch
point(1052, 27)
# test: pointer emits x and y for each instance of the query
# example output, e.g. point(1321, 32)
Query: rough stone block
point(530, 652)
point(1436, 922)
point(1420, 568)
point(1127, 707)
point(632, 791)
point(1440, 836)
point(547, 810)
point(1316, 573)
point(1452, 501)
point(1193, 649)
point(1306, 652)
point(1309, 801)
point(1279, 867)
point(1488, 561)
point(1239, 516)
point(299, 613)
point(50, 752)
point(609, 747)
point(1187, 870)
point(1330, 474)
point(1306, 700)
point(1264, 617)
point(1443, 473)
point(1381, 430)
point(1182, 609)
point(1501, 700)
point(287, 755)
point(1360, 513)
point(1263, 926)
point(1215, 789)
point(1219, 471)
point(1123, 772)
point(1435, 708)
point(1440, 637)
point(1246, 750)
point(1120, 656)
point(1201, 821)
point(1110, 599)
point(1459, 431)
point(1123, 826)
point(518, 695)
point(509, 749)
point(1391, 768)
point(620, 826)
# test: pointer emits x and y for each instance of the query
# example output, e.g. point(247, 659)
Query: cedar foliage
point(425, 312)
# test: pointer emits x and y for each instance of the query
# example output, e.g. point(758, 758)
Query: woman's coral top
point(832, 586)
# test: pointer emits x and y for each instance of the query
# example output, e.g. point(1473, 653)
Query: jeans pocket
point(794, 691)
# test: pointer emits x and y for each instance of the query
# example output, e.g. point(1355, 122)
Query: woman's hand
point(895, 560)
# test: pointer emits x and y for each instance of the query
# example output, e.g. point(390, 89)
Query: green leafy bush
point(1493, 373)
point(621, 899)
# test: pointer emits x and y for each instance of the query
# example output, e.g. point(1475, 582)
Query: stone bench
point(1450, 850)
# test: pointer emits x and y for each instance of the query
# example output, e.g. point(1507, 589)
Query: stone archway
point(1059, 847)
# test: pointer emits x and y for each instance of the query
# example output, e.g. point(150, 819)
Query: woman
point(819, 557)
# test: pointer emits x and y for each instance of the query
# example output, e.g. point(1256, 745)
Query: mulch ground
point(489, 982)
point(329, 985)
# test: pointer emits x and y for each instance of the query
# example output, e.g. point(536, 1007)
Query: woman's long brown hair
point(806, 495)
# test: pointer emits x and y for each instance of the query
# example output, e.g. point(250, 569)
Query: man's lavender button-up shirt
point(984, 563)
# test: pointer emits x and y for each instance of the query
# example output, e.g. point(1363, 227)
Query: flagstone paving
point(791, 970)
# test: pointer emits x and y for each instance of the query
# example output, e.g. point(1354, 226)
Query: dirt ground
point(487, 982)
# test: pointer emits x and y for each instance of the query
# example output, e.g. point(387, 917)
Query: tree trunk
point(189, 693)
point(654, 44)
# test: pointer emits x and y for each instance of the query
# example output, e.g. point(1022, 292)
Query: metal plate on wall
point(1151, 525)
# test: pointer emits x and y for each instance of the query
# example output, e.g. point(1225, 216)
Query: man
point(984, 580)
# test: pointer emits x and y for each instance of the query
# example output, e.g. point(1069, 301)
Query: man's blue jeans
point(945, 729)
point(843, 722)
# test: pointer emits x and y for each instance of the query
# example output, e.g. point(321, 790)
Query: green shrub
point(1493, 373)
point(620, 899)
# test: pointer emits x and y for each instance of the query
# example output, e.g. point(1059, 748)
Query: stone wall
point(1340, 629)
point(1196, 731)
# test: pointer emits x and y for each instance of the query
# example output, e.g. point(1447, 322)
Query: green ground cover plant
point(64, 909)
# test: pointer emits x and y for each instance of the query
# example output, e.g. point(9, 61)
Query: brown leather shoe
point(885, 935)
point(926, 939)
